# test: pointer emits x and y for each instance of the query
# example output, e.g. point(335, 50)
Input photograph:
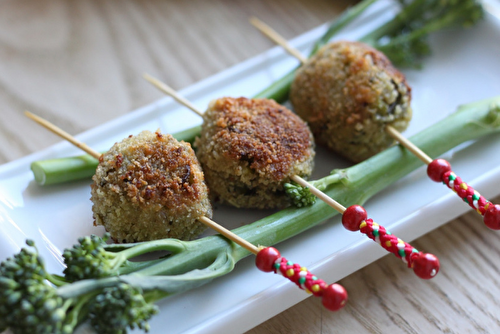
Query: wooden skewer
point(408, 144)
point(63, 134)
point(169, 91)
point(318, 193)
point(210, 223)
point(230, 235)
point(275, 37)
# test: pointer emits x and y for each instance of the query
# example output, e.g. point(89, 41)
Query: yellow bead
point(303, 269)
point(487, 206)
point(463, 186)
point(363, 224)
point(375, 224)
point(290, 272)
point(388, 243)
point(306, 290)
point(315, 288)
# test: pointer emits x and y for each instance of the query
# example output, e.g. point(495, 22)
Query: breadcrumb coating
point(148, 187)
point(348, 92)
point(249, 148)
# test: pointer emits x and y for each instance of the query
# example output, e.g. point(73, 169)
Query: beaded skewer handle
point(424, 265)
point(355, 218)
point(268, 259)
point(333, 296)
point(439, 170)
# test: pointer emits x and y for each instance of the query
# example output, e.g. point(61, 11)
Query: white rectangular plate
point(463, 68)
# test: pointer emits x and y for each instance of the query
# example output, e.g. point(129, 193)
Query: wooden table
point(78, 64)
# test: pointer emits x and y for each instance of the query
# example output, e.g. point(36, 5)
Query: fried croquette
point(348, 92)
point(249, 148)
point(148, 187)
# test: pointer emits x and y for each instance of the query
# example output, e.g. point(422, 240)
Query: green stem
point(324, 182)
point(396, 25)
point(171, 245)
point(340, 23)
point(79, 313)
point(123, 266)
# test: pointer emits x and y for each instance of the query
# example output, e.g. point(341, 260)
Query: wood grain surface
point(79, 64)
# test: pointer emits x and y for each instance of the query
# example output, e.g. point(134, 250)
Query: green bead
point(375, 233)
point(452, 177)
point(402, 252)
point(302, 280)
point(289, 263)
point(466, 200)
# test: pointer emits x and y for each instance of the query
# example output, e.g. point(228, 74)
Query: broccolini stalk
point(404, 39)
point(28, 304)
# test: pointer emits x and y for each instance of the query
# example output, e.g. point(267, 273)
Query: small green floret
point(27, 303)
point(88, 259)
point(300, 196)
point(119, 308)
point(405, 38)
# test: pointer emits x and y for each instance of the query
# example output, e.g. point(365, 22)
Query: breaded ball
point(348, 92)
point(148, 187)
point(249, 148)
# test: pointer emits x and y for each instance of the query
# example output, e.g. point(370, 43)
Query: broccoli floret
point(404, 38)
point(89, 259)
point(300, 196)
point(121, 307)
point(27, 303)
point(92, 257)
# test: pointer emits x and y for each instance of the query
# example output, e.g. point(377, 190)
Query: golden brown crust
point(253, 146)
point(262, 132)
point(148, 187)
point(349, 92)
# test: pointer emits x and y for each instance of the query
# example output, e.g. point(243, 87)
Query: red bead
point(266, 257)
point(492, 217)
point(425, 265)
point(334, 297)
point(353, 216)
point(437, 168)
